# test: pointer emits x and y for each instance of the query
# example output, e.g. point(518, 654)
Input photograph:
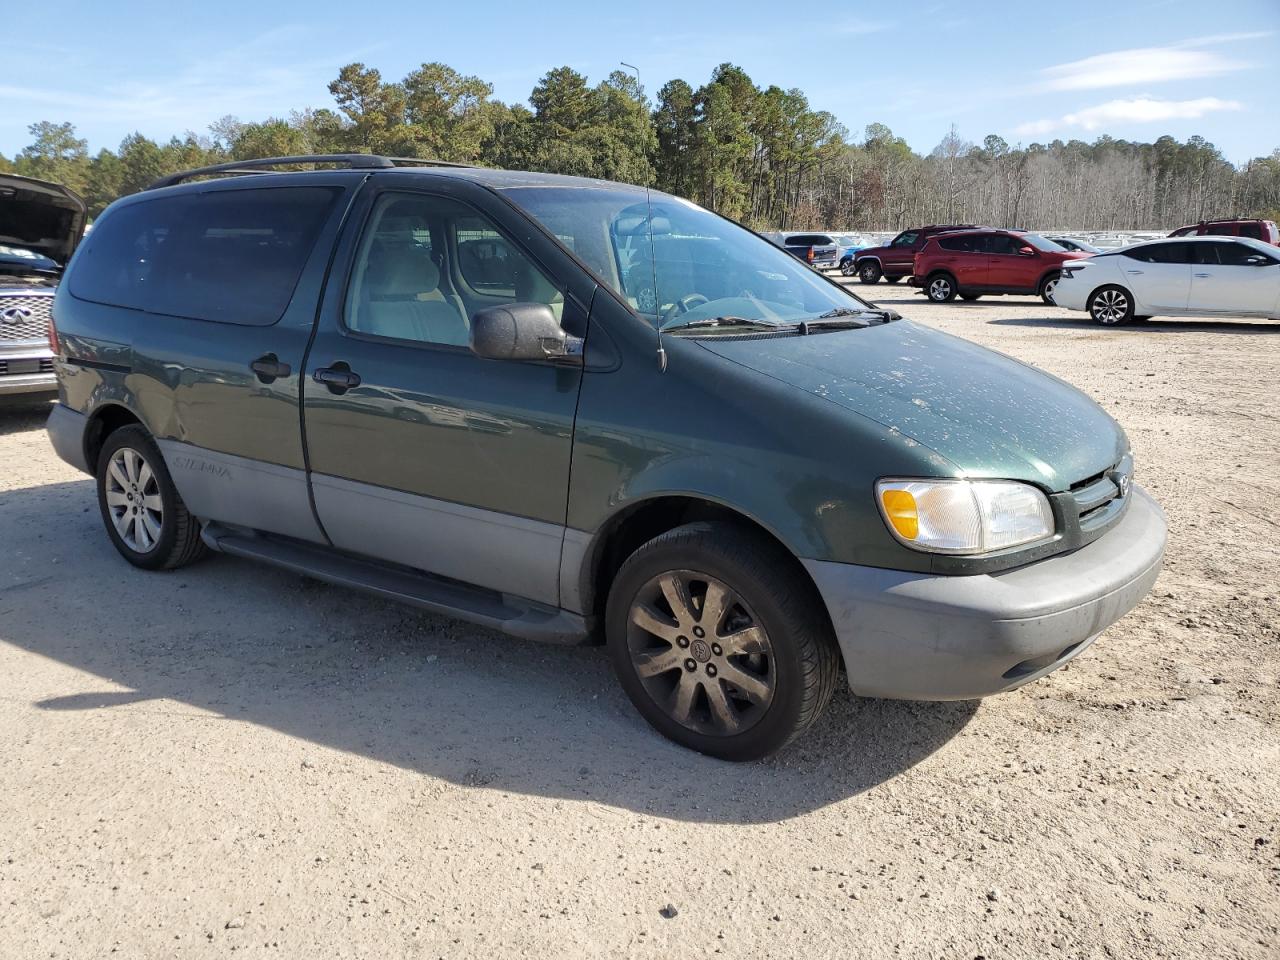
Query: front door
point(1233, 278)
point(1007, 269)
point(899, 258)
point(421, 452)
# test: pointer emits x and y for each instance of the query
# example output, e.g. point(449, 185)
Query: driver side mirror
point(1026, 251)
point(522, 331)
point(1258, 260)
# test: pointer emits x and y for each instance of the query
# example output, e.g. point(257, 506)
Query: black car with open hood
point(41, 224)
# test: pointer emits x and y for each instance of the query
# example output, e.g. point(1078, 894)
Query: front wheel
point(144, 516)
point(941, 288)
point(869, 271)
point(720, 642)
point(847, 268)
point(1111, 306)
point(1047, 286)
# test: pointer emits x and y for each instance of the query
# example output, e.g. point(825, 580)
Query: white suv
point(1188, 276)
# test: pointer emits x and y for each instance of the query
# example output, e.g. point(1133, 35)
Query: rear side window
point(965, 242)
point(1162, 253)
point(1221, 230)
point(1253, 230)
point(229, 256)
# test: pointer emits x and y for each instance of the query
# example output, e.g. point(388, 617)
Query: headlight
point(964, 516)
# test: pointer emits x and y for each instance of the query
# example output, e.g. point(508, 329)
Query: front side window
point(427, 264)
point(1042, 243)
point(905, 239)
point(676, 263)
point(1002, 244)
point(229, 256)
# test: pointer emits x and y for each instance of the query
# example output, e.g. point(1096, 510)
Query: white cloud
point(1146, 65)
point(1137, 110)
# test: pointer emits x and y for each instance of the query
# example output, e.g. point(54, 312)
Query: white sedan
point(1189, 276)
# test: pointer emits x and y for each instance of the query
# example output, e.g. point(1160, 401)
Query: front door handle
point(1202, 276)
point(1134, 273)
point(339, 378)
point(268, 367)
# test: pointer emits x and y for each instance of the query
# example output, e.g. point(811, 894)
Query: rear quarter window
point(227, 256)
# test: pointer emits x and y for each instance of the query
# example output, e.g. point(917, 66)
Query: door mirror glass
point(521, 331)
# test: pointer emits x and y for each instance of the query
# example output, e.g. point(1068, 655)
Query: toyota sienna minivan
point(578, 411)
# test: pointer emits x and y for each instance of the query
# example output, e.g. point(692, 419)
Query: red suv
point(1264, 230)
point(894, 260)
point(974, 262)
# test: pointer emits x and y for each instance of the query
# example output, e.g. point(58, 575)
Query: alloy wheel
point(133, 500)
point(700, 653)
point(1110, 306)
point(940, 289)
point(1049, 287)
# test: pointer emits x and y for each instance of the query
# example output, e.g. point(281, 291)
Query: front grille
point(24, 318)
point(45, 366)
point(1101, 498)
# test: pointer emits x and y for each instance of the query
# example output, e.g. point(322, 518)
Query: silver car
point(40, 225)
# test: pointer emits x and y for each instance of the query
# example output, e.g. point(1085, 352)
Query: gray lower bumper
point(13, 384)
point(66, 433)
point(924, 637)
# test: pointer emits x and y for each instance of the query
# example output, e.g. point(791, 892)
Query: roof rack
point(352, 161)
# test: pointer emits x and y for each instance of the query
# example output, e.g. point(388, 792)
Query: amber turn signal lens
point(900, 508)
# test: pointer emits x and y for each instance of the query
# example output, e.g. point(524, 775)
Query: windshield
point(1040, 243)
point(677, 264)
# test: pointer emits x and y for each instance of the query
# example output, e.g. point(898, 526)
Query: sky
point(1028, 71)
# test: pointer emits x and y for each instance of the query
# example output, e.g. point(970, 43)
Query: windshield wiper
point(721, 322)
point(847, 318)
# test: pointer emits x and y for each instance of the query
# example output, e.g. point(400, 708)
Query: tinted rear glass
point(808, 240)
point(231, 256)
point(1251, 230)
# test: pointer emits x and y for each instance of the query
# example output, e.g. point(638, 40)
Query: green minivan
point(575, 411)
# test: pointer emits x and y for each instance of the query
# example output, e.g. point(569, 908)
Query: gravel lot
point(231, 758)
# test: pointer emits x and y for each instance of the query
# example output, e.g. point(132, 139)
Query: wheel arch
point(642, 520)
point(104, 421)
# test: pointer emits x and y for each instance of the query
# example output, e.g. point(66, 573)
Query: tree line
point(762, 156)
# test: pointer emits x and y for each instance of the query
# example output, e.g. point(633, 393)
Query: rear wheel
point(1047, 286)
point(719, 641)
point(144, 516)
point(847, 267)
point(941, 288)
point(1111, 306)
point(869, 271)
point(892, 279)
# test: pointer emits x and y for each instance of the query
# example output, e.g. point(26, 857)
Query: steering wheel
point(683, 305)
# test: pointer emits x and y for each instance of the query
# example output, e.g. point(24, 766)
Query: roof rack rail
point(353, 161)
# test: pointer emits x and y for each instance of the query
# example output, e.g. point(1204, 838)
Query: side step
point(497, 611)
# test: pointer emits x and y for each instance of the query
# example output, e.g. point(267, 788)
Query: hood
point(990, 415)
point(40, 217)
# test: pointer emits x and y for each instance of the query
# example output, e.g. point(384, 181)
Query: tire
point(869, 271)
point(892, 279)
point(787, 662)
point(940, 288)
point(1047, 286)
point(847, 268)
point(970, 297)
point(144, 516)
point(1111, 306)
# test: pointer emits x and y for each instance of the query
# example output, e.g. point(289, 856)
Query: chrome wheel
point(1109, 307)
point(847, 268)
point(940, 289)
point(1049, 287)
point(133, 500)
point(700, 653)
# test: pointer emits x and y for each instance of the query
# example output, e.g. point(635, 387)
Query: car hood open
point(44, 218)
point(990, 415)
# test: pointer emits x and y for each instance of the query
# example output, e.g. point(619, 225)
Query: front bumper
point(924, 637)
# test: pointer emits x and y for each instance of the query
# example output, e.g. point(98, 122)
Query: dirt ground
point(231, 759)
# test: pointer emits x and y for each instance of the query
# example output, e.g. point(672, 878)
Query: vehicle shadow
point(22, 412)
point(1154, 325)
point(352, 673)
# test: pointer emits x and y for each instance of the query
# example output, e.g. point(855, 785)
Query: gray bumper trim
point(923, 637)
point(66, 433)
